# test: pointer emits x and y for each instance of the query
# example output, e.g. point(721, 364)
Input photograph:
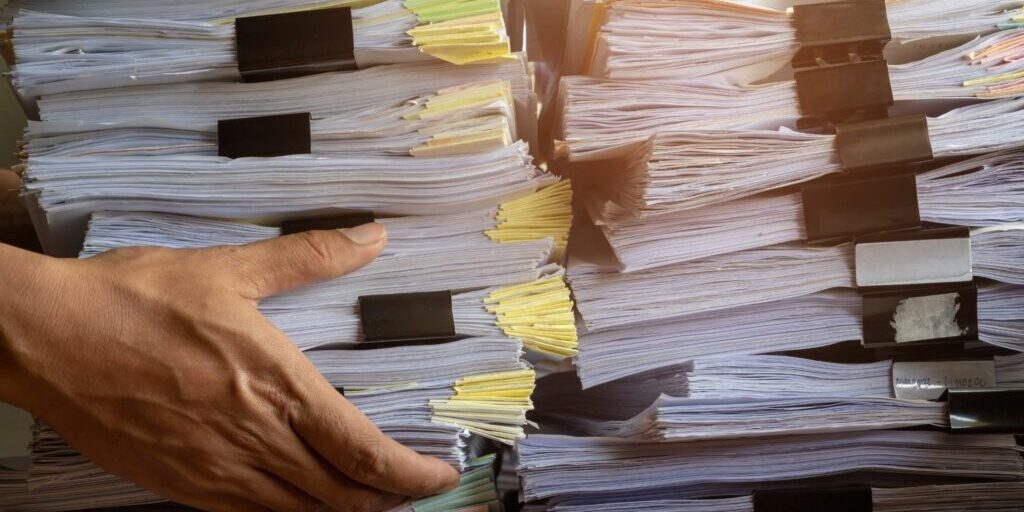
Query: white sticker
point(927, 380)
point(930, 317)
point(944, 260)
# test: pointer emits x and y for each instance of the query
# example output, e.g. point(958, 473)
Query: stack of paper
point(681, 39)
point(698, 419)
point(500, 288)
point(428, 397)
point(600, 468)
point(983, 191)
point(690, 142)
point(464, 118)
point(543, 214)
point(68, 189)
point(720, 389)
point(59, 53)
point(810, 321)
point(185, 10)
point(753, 276)
point(769, 376)
point(595, 115)
point(458, 120)
point(991, 497)
point(677, 171)
point(90, 489)
point(470, 216)
point(200, 105)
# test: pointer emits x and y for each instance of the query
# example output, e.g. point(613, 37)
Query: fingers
point(272, 266)
point(308, 471)
point(225, 503)
point(349, 441)
point(273, 493)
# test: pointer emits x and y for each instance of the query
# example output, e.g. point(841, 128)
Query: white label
point(927, 380)
point(944, 260)
point(930, 317)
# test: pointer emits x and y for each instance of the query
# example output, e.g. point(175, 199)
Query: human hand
point(12, 210)
point(157, 365)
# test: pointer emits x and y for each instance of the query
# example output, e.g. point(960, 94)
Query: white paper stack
point(810, 321)
point(978, 192)
point(990, 497)
point(430, 398)
point(596, 115)
point(683, 39)
point(682, 139)
point(768, 376)
point(60, 52)
point(88, 488)
point(752, 277)
point(470, 215)
point(463, 119)
point(68, 189)
point(200, 105)
point(679, 171)
point(597, 467)
point(543, 214)
point(671, 419)
point(492, 281)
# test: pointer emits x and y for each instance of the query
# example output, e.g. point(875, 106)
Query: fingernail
point(367, 234)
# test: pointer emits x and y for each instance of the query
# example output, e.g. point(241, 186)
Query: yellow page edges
point(465, 97)
point(491, 405)
point(464, 41)
point(538, 313)
point(436, 11)
point(546, 213)
point(480, 116)
point(465, 137)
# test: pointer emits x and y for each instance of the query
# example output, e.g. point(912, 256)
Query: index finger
point(343, 435)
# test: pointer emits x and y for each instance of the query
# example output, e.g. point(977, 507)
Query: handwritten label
point(927, 380)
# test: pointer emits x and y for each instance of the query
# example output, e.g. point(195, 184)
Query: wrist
point(24, 287)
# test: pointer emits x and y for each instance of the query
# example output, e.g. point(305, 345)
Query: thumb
point(273, 266)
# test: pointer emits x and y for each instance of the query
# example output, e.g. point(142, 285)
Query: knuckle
point(316, 247)
point(370, 461)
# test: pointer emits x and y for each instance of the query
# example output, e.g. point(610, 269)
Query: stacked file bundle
point(801, 275)
point(476, 492)
point(73, 46)
point(791, 299)
point(434, 143)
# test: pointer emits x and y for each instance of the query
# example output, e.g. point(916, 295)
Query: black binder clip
point(280, 135)
point(844, 499)
point(882, 143)
point(344, 221)
point(920, 315)
point(977, 411)
point(843, 93)
point(837, 32)
point(295, 44)
point(839, 207)
point(407, 317)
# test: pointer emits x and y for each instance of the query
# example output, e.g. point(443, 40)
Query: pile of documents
point(745, 42)
point(765, 272)
point(62, 50)
point(436, 144)
point(82, 486)
point(795, 276)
